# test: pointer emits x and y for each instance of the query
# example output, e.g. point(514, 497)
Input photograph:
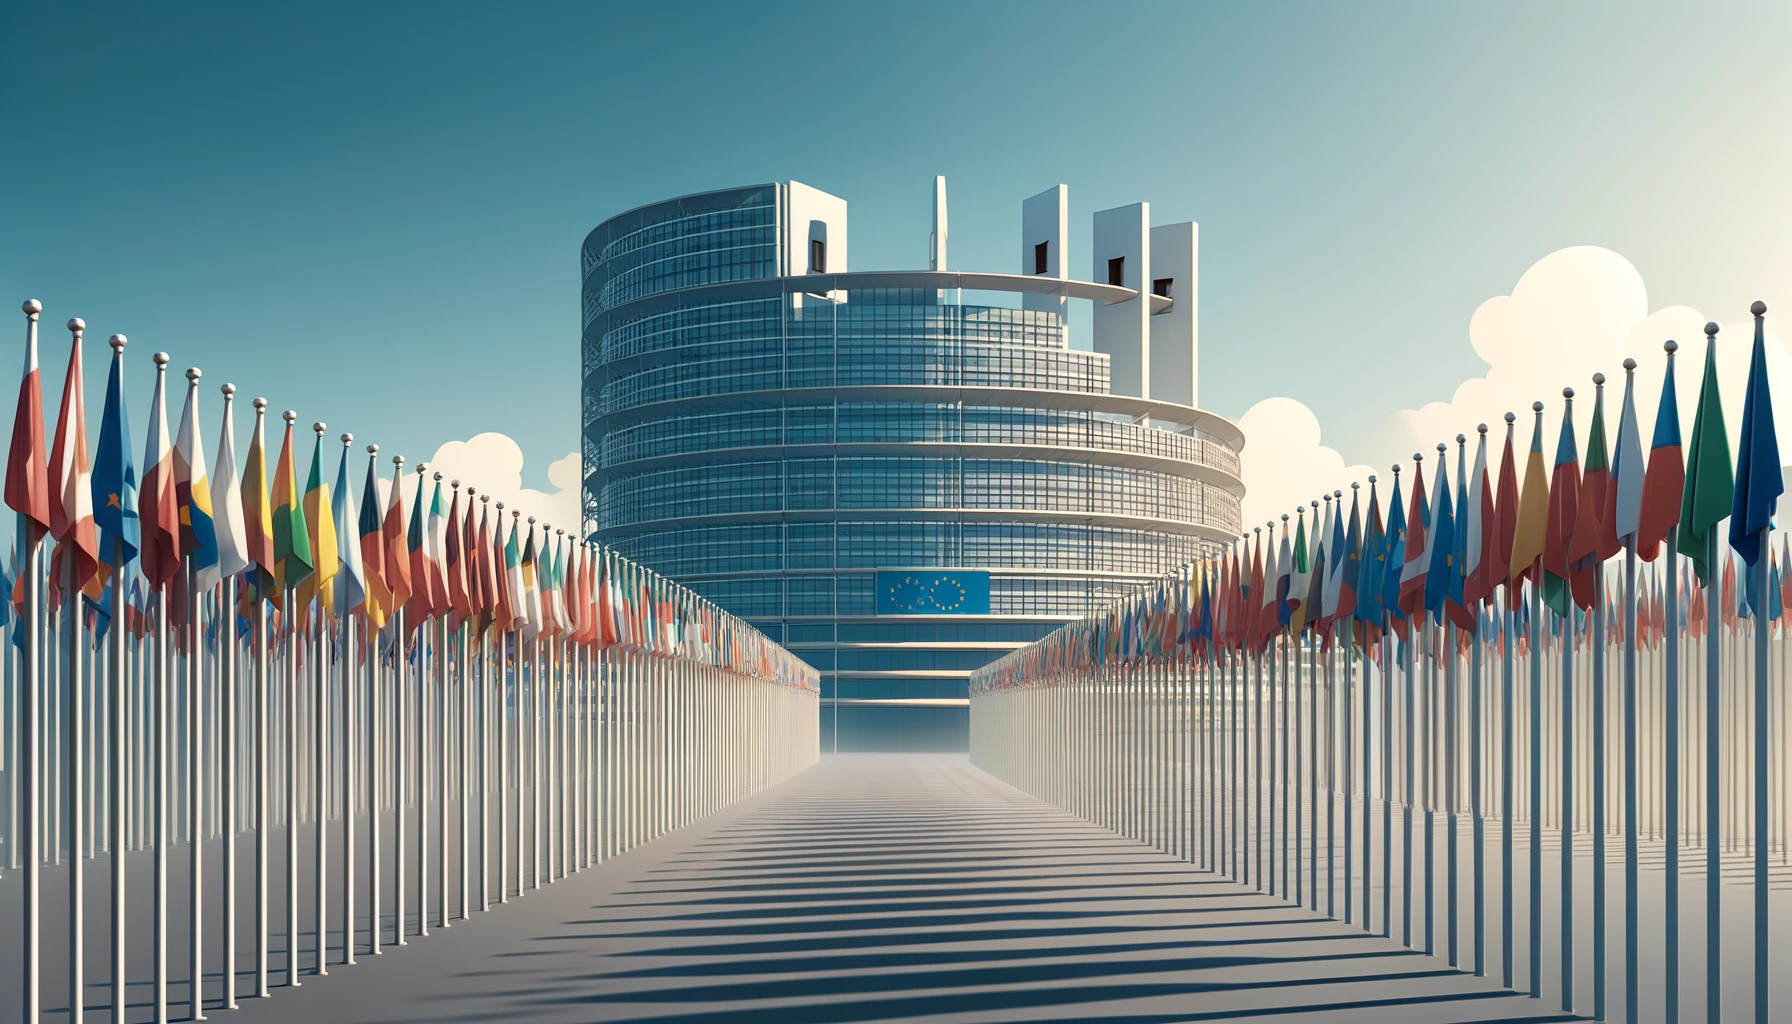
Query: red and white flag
point(27, 477)
point(71, 512)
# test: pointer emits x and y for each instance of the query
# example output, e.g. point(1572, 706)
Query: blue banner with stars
point(932, 592)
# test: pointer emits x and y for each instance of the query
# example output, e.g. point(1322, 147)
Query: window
point(1039, 257)
point(818, 256)
point(1161, 286)
point(1117, 271)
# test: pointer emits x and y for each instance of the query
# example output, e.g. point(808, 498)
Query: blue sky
point(371, 213)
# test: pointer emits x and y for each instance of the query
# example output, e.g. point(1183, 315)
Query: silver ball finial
point(161, 361)
point(347, 439)
point(1537, 407)
point(227, 390)
point(500, 506)
point(1442, 447)
point(1396, 469)
point(76, 325)
point(1480, 428)
point(1568, 393)
point(1711, 329)
point(1284, 517)
point(516, 513)
point(260, 404)
point(373, 449)
point(1371, 479)
point(1758, 308)
point(531, 519)
point(290, 416)
point(1670, 346)
point(398, 461)
point(1353, 486)
point(319, 427)
point(1599, 380)
point(454, 484)
point(118, 342)
point(1461, 439)
point(1511, 417)
point(422, 468)
point(32, 307)
point(1629, 365)
point(487, 497)
point(438, 476)
point(1418, 456)
point(193, 374)
point(1339, 493)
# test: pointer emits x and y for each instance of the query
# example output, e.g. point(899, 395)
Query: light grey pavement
point(895, 888)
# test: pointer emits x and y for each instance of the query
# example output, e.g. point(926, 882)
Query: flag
point(516, 593)
point(1759, 482)
point(1664, 481)
point(1564, 497)
point(71, 476)
point(292, 539)
point(454, 565)
point(1440, 541)
point(351, 575)
point(1709, 490)
point(1586, 544)
point(1497, 538)
point(27, 472)
point(193, 494)
point(232, 533)
point(1300, 574)
point(1418, 562)
point(1625, 506)
point(417, 549)
point(1531, 522)
point(1396, 558)
point(1372, 569)
point(397, 574)
point(1477, 526)
point(258, 510)
point(159, 508)
point(1350, 567)
point(114, 476)
point(372, 543)
point(436, 537)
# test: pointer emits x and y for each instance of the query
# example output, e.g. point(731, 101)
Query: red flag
point(392, 542)
point(27, 472)
point(456, 570)
point(71, 513)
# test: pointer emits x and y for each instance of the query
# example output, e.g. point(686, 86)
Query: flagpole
point(77, 908)
point(1713, 783)
point(1535, 809)
point(1632, 922)
point(263, 920)
point(31, 773)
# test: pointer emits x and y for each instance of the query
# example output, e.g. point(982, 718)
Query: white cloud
point(493, 463)
point(1575, 312)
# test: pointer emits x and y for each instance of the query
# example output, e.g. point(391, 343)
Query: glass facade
point(772, 449)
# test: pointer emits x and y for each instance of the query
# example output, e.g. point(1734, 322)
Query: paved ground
point(895, 888)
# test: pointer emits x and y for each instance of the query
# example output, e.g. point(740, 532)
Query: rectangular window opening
point(1039, 257)
point(1117, 271)
point(1161, 286)
point(818, 256)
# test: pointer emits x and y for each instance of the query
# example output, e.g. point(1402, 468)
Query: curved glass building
point(900, 475)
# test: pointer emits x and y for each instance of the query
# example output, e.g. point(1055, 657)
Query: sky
point(371, 213)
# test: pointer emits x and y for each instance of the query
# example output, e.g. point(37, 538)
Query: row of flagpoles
point(1467, 657)
point(433, 692)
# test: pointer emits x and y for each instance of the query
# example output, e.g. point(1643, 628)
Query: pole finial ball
point(1461, 439)
point(194, 373)
point(373, 449)
point(485, 497)
point(227, 389)
point(260, 404)
point(1353, 486)
point(290, 416)
point(422, 468)
point(1758, 308)
point(1536, 406)
point(347, 439)
point(1670, 346)
point(438, 476)
point(1599, 380)
point(118, 342)
point(1511, 417)
point(1396, 469)
point(1711, 329)
point(398, 460)
point(454, 484)
point(32, 307)
point(1629, 365)
point(1371, 479)
point(1418, 456)
point(1284, 517)
point(1481, 428)
point(1339, 493)
point(161, 360)
point(1568, 393)
point(76, 325)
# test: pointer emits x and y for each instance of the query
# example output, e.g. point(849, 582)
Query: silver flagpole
point(160, 754)
point(1477, 810)
point(31, 692)
point(352, 763)
point(1631, 920)
point(501, 697)
point(195, 792)
point(319, 775)
point(423, 724)
point(77, 755)
point(1762, 625)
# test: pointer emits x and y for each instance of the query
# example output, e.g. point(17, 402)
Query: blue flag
point(1758, 476)
point(114, 475)
point(1442, 545)
point(1396, 560)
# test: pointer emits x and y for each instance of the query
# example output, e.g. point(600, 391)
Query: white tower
point(936, 242)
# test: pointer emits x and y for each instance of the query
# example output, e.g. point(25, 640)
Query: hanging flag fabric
point(232, 534)
point(1351, 565)
point(436, 539)
point(160, 507)
point(1440, 541)
point(1496, 538)
point(115, 475)
point(513, 578)
point(1418, 549)
point(378, 603)
point(424, 599)
point(1664, 481)
point(1299, 576)
point(1625, 506)
point(1531, 531)
point(1586, 544)
point(1759, 479)
point(1709, 491)
point(1372, 570)
point(1564, 497)
point(71, 480)
point(351, 576)
point(27, 470)
point(1476, 516)
point(258, 510)
point(193, 494)
point(292, 539)
point(454, 567)
point(1396, 559)
point(397, 574)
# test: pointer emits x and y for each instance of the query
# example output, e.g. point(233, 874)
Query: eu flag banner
point(932, 592)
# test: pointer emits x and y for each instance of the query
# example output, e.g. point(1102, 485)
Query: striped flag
point(1564, 499)
point(232, 534)
point(71, 508)
point(397, 574)
point(159, 505)
point(292, 540)
point(258, 510)
point(27, 472)
point(372, 542)
point(193, 494)
point(351, 575)
point(1531, 524)
point(114, 475)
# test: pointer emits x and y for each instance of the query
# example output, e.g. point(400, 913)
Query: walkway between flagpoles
point(898, 887)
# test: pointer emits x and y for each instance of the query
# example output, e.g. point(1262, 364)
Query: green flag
point(1705, 501)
